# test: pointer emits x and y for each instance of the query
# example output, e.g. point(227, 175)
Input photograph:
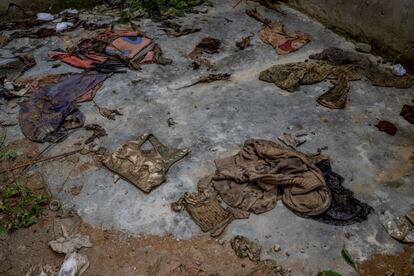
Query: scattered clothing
point(262, 172)
point(110, 50)
point(345, 209)
point(208, 79)
point(377, 75)
point(146, 169)
point(177, 30)
point(387, 127)
point(16, 67)
point(243, 247)
point(69, 244)
point(290, 141)
point(337, 96)
point(74, 264)
point(282, 41)
point(244, 43)
point(407, 112)
point(208, 45)
point(39, 33)
point(51, 110)
point(400, 228)
point(98, 132)
point(254, 13)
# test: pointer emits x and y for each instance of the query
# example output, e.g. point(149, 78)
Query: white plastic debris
point(73, 11)
point(44, 16)
point(61, 26)
point(398, 70)
point(75, 264)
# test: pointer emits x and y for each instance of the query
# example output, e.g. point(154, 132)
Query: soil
point(401, 264)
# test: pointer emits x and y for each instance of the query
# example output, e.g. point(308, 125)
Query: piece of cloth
point(407, 112)
point(377, 75)
point(282, 41)
point(69, 244)
point(345, 209)
point(246, 248)
point(40, 33)
point(387, 127)
point(98, 132)
point(16, 67)
point(291, 75)
point(400, 228)
point(51, 110)
point(74, 264)
point(146, 169)
point(110, 50)
point(207, 45)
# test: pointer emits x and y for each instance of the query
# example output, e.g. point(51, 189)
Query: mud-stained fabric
point(387, 127)
point(246, 248)
point(208, 45)
point(377, 75)
point(252, 180)
point(146, 169)
point(16, 67)
point(337, 96)
point(51, 110)
point(282, 41)
point(407, 112)
point(400, 228)
point(345, 209)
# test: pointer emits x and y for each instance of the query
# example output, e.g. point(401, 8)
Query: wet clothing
point(51, 110)
point(146, 169)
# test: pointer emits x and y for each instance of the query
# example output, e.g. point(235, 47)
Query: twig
point(41, 160)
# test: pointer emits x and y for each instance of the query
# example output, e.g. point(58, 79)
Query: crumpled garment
point(387, 127)
point(282, 41)
point(400, 228)
point(69, 244)
point(146, 169)
point(291, 75)
point(51, 110)
point(407, 112)
point(262, 172)
point(16, 67)
point(377, 75)
point(75, 264)
point(208, 45)
point(205, 209)
point(345, 209)
point(243, 247)
point(110, 50)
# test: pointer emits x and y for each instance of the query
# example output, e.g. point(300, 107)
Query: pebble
point(276, 248)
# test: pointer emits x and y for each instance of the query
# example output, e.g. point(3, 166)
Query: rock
point(363, 47)
point(276, 248)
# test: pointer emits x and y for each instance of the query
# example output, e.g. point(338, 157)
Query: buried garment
point(146, 169)
point(51, 110)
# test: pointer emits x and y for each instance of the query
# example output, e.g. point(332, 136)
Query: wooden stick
point(41, 160)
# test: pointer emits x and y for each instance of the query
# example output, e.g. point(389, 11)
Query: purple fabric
point(51, 110)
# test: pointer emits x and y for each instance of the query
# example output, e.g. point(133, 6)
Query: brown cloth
point(407, 112)
point(207, 45)
point(282, 41)
point(377, 75)
point(387, 127)
point(16, 67)
point(145, 169)
point(243, 247)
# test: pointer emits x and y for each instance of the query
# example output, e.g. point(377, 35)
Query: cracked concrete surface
point(215, 119)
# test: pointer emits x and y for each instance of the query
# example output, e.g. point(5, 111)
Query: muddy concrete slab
point(215, 119)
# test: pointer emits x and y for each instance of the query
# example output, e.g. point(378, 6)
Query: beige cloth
point(282, 41)
point(145, 169)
